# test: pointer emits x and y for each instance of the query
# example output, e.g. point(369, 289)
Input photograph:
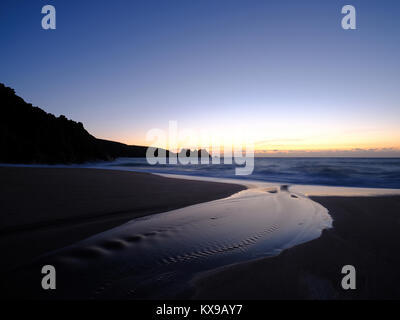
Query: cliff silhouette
point(30, 135)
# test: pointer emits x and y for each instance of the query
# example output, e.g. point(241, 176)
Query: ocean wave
point(352, 172)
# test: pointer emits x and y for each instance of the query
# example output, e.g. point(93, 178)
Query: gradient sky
point(284, 72)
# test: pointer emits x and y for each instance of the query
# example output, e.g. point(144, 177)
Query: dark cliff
point(30, 135)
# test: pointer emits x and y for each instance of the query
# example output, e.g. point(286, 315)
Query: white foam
point(308, 190)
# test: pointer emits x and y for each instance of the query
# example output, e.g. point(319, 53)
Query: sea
point(348, 172)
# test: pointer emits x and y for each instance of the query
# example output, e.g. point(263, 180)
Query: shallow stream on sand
point(157, 256)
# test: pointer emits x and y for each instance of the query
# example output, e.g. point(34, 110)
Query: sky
point(282, 74)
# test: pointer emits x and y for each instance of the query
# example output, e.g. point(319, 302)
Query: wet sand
point(156, 257)
point(365, 234)
point(43, 209)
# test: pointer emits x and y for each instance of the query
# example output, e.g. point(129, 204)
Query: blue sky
point(283, 69)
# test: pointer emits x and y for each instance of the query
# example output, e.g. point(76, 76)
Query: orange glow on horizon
point(278, 139)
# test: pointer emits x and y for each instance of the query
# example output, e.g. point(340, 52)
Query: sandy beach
point(365, 234)
point(79, 216)
point(43, 209)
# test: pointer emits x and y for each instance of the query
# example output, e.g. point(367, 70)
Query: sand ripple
point(145, 256)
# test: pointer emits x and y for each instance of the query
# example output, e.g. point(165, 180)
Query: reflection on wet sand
point(156, 256)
